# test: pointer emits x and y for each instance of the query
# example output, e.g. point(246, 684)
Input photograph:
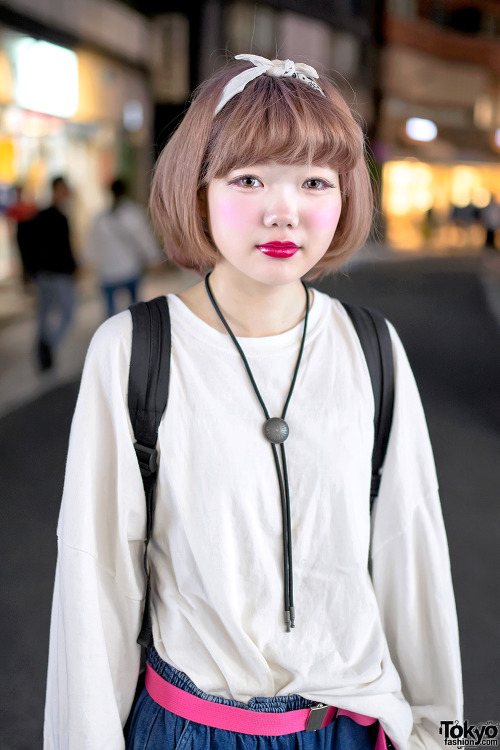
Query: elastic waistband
point(273, 704)
point(244, 721)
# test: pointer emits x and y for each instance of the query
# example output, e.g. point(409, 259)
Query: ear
point(202, 202)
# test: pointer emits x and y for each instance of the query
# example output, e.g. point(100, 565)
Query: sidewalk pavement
point(489, 274)
point(20, 382)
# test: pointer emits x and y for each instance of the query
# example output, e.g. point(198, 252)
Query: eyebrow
point(259, 166)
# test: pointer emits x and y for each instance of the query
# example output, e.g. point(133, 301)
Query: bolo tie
point(276, 431)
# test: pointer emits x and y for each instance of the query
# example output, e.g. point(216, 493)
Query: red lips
point(279, 249)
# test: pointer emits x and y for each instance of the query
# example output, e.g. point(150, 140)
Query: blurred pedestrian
point(20, 215)
point(54, 270)
point(429, 225)
point(465, 216)
point(490, 219)
point(121, 245)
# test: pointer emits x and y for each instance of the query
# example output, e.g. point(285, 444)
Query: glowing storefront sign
point(46, 77)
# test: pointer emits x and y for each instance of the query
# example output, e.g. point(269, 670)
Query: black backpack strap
point(375, 338)
point(147, 398)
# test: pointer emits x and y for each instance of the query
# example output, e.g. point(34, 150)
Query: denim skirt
point(154, 728)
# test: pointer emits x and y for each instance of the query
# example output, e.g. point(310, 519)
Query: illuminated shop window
point(435, 207)
point(46, 77)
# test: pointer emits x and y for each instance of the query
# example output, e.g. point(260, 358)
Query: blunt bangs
point(273, 119)
point(281, 120)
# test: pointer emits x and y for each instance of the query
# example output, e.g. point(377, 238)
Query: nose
point(281, 211)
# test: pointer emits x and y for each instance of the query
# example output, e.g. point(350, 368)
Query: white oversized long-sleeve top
point(384, 645)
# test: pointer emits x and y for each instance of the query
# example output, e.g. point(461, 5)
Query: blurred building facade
point(339, 38)
point(424, 75)
point(134, 68)
point(438, 136)
point(75, 99)
point(92, 87)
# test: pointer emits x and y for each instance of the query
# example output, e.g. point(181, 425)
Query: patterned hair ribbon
point(263, 66)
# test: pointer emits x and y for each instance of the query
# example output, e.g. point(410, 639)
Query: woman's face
point(265, 203)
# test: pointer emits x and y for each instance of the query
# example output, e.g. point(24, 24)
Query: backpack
point(148, 393)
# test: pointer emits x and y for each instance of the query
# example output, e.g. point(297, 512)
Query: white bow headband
point(263, 66)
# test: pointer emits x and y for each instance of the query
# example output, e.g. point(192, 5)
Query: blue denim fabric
point(154, 728)
point(56, 305)
point(109, 291)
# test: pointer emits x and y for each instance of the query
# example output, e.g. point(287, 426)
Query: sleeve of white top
point(99, 585)
point(411, 569)
point(140, 228)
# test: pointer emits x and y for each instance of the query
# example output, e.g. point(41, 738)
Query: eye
point(322, 182)
point(239, 180)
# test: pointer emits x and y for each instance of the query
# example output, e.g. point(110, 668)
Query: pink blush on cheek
point(325, 219)
point(230, 215)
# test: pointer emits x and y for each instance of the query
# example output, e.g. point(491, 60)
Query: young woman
point(263, 184)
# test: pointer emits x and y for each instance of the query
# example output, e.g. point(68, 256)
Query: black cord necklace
point(276, 431)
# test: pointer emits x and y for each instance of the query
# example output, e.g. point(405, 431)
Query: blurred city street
point(447, 323)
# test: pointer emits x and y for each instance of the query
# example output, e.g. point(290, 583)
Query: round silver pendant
point(276, 430)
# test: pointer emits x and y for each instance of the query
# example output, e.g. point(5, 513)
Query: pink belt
point(242, 720)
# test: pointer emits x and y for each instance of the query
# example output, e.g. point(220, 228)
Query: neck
point(253, 309)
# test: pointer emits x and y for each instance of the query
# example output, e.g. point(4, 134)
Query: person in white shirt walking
point(263, 184)
point(121, 246)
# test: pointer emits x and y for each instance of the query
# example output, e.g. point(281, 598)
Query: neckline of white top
point(197, 327)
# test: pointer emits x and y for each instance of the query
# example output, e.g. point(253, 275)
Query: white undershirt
point(388, 649)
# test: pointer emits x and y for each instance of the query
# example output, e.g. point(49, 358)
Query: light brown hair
point(272, 119)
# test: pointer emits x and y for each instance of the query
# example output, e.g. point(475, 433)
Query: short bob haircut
point(272, 119)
